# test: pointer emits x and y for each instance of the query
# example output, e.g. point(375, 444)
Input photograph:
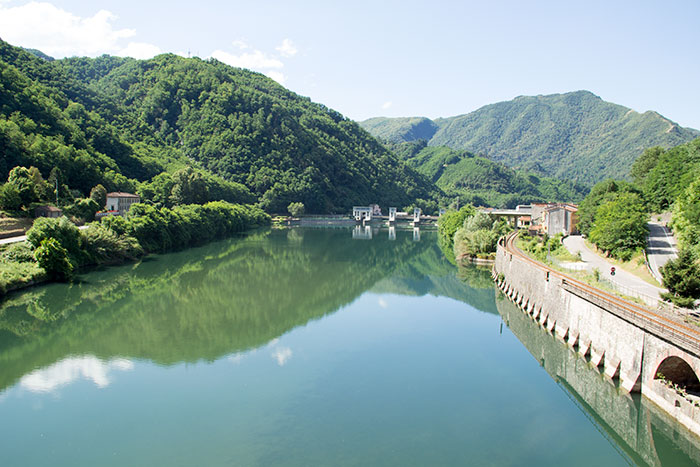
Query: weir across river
point(638, 349)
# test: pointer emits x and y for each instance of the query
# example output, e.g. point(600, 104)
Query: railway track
point(661, 325)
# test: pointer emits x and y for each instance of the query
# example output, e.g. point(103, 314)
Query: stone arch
point(678, 371)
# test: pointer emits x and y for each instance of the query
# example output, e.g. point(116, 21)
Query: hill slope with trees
point(481, 181)
point(575, 136)
point(122, 122)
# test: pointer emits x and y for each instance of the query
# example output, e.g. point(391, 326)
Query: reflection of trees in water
point(206, 302)
point(477, 277)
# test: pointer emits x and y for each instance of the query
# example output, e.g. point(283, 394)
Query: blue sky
point(401, 58)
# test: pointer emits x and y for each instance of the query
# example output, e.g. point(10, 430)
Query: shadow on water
point(635, 427)
point(225, 297)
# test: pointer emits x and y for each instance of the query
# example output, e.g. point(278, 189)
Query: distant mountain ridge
point(575, 136)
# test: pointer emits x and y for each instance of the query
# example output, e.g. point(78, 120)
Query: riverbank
point(630, 344)
point(428, 222)
point(56, 249)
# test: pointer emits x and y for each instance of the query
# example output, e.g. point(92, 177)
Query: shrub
point(681, 276)
point(296, 209)
point(20, 252)
point(62, 230)
point(84, 209)
point(54, 259)
point(104, 245)
point(10, 199)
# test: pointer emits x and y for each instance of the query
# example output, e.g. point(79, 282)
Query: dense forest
point(480, 181)
point(574, 136)
point(615, 213)
point(123, 123)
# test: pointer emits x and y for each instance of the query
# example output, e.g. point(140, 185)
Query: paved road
point(661, 247)
point(575, 243)
point(21, 238)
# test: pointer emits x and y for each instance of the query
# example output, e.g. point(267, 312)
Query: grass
point(8, 224)
point(635, 265)
point(15, 275)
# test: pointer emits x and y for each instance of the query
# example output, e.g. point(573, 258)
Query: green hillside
point(481, 181)
point(120, 122)
point(575, 136)
point(398, 130)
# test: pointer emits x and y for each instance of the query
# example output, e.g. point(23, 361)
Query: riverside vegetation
point(56, 248)
point(468, 234)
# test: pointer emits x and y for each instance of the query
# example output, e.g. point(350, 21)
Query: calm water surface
point(305, 347)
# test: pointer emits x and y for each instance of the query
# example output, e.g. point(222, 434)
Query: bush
point(451, 221)
point(104, 245)
point(681, 276)
point(10, 199)
point(620, 225)
point(54, 259)
point(84, 209)
point(62, 230)
point(20, 252)
point(99, 195)
point(296, 209)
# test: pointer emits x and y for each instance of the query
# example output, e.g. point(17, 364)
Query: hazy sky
point(401, 58)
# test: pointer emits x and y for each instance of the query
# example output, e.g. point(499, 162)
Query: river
point(305, 347)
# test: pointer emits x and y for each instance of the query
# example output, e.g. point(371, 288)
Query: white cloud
point(287, 48)
point(140, 50)
point(282, 355)
point(386, 105)
point(59, 33)
point(241, 44)
point(383, 303)
point(256, 60)
point(277, 76)
point(71, 369)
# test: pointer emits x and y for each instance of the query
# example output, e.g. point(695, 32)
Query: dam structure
point(636, 348)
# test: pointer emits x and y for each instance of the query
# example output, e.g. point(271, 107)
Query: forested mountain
point(575, 136)
point(399, 130)
point(481, 181)
point(120, 122)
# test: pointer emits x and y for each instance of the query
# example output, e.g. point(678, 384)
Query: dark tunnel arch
point(678, 371)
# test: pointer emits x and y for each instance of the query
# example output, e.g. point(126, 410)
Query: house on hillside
point(119, 202)
point(47, 211)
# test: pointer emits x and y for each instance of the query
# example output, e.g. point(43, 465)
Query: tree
point(645, 163)
point(479, 221)
point(62, 230)
point(620, 225)
point(22, 179)
point(9, 197)
point(189, 187)
point(451, 221)
point(686, 216)
point(681, 276)
point(42, 190)
point(296, 209)
point(99, 195)
point(54, 259)
point(84, 209)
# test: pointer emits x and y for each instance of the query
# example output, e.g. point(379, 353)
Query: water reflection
point(72, 369)
point(635, 427)
point(218, 300)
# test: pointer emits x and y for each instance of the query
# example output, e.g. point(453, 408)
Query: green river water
point(305, 347)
